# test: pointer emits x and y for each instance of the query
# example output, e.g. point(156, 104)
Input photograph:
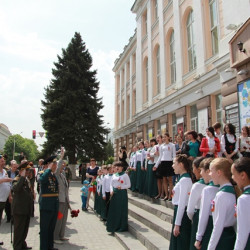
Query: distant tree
point(23, 147)
point(70, 112)
point(109, 149)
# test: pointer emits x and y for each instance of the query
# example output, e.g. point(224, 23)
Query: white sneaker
point(58, 241)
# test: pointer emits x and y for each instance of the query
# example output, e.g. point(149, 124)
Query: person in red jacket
point(210, 145)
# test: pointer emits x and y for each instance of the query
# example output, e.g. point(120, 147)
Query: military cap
point(24, 165)
point(50, 159)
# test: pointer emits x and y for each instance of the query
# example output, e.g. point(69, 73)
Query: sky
point(33, 33)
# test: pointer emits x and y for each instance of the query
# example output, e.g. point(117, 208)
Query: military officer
point(49, 204)
point(21, 206)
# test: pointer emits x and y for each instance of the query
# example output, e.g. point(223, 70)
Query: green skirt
point(207, 235)
point(140, 178)
point(227, 239)
point(150, 186)
point(182, 241)
point(102, 206)
point(97, 205)
point(132, 177)
point(194, 229)
point(117, 219)
point(248, 244)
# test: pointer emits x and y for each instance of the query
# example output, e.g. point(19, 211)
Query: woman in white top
point(150, 187)
point(167, 154)
point(223, 207)
point(241, 175)
point(132, 168)
point(244, 142)
point(117, 219)
point(181, 231)
point(229, 143)
point(193, 207)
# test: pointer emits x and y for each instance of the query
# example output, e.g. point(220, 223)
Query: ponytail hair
point(197, 161)
point(243, 165)
point(206, 163)
point(187, 164)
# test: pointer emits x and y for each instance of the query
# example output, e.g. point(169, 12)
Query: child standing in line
point(180, 237)
point(241, 175)
point(205, 223)
point(194, 201)
point(117, 220)
point(223, 234)
point(84, 195)
point(102, 202)
point(97, 196)
point(106, 188)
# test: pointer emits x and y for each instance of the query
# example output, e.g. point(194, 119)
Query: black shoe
point(26, 248)
point(53, 248)
point(1, 243)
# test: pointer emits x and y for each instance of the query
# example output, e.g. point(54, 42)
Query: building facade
point(4, 134)
point(174, 73)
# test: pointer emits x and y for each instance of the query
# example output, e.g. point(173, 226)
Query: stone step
point(150, 220)
point(148, 237)
point(167, 204)
point(158, 210)
point(129, 241)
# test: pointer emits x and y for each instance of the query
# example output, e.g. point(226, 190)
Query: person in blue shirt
point(84, 195)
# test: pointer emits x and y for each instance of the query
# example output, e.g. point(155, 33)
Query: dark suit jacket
point(9, 173)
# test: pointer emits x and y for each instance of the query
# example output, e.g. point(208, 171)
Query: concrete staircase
point(150, 223)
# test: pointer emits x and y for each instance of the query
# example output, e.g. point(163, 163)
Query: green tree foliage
point(70, 112)
point(109, 149)
point(24, 146)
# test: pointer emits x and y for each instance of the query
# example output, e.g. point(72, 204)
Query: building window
point(174, 125)
point(172, 59)
point(194, 118)
point(214, 26)
point(156, 9)
point(191, 45)
point(159, 127)
point(158, 70)
point(145, 23)
point(218, 99)
point(128, 106)
point(146, 80)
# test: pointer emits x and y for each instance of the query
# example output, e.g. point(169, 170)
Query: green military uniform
point(21, 209)
point(49, 204)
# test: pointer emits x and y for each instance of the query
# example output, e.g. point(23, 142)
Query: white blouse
point(180, 197)
point(207, 196)
point(98, 183)
point(167, 153)
point(223, 215)
point(243, 221)
point(194, 199)
point(120, 180)
point(244, 142)
point(106, 184)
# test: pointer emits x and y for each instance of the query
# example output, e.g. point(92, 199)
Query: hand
point(176, 230)
point(142, 168)
point(197, 244)
point(104, 197)
point(98, 193)
point(10, 199)
point(154, 168)
point(7, 179)
point(23, 172)
point(62, 152)
point(111, 193)
point(119, 187)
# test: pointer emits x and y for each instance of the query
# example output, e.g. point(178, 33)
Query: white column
point(150, 64)
point(199, 37)
point(125, 94)
point(120, 111)
point(139, 67)
point(162, 48)
point(131, 88)
point(178, 45)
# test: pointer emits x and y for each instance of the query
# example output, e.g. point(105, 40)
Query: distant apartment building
point(4, 134)
point(175, 73)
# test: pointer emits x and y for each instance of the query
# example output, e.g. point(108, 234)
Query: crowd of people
point(17, 195)
point(195, 173)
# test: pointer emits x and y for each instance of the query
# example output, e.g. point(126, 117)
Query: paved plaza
point(84, 232)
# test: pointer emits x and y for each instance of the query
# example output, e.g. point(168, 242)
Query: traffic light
point(34, 134)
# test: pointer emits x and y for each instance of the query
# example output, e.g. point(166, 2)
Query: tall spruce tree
point(70, 112)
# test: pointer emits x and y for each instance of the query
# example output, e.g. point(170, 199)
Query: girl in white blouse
point(181, 231)
point(117, 219)
point(244, 142)
point(193, 207)
point(223, 206)
point(205, 224)
point(241, 175)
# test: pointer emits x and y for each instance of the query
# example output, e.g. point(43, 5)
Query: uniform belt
point(49, 195)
